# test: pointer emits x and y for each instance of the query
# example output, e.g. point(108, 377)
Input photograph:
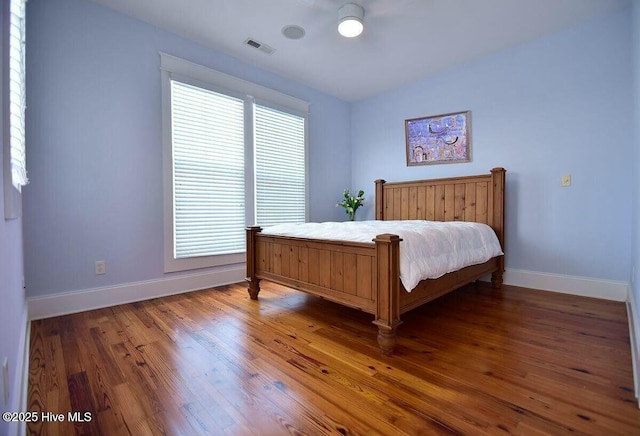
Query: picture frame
point(438, 139)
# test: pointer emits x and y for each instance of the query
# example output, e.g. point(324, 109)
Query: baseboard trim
point(24, 377)
point(97, 298)
point(634, 336)
point(79, 301)
point(21, 380)
point(583, 286)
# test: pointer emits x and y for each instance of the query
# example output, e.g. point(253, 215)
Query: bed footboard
point(364, 276)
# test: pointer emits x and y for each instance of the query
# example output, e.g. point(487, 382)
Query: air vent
point(260, 46)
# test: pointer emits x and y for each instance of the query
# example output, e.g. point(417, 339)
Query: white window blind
point(279, 167)
point(234, 155)
point(208, 172)
point(17, 94)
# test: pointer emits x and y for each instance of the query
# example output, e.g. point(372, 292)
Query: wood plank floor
point(476, 361)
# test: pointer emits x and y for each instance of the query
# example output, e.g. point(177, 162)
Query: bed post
point(498, 182)
point(388, 289)
point(254, 282)
point(380, 199)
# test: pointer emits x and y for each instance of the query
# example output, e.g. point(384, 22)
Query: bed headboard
point(470, 198)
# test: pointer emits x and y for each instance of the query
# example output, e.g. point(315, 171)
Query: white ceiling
point(403, 40)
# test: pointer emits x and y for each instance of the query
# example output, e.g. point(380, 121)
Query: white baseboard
point(634, 335)
point(21, 381)
point(584, 286)
point(79, 301)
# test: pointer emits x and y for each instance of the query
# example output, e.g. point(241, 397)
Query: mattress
point(429, 249)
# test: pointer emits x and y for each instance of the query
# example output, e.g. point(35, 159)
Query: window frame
point(175, 68)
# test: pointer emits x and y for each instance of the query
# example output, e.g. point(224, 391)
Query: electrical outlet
point(101, 267)
point(566, 180)
point(5, 380)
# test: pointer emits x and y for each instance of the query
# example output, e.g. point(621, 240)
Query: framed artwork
point(438, 139)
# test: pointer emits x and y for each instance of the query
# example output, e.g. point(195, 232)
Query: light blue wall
point(12, 298)
point(558, 105)
point(95, 146)
point(12, 309)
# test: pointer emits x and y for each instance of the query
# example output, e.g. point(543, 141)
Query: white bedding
point(429, 249)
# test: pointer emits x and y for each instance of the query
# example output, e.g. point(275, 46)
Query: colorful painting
point(438, 139)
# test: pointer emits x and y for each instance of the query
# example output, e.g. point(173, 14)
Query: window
point(208, 172)
point(14, 156)
point(235, 155)
point(279, 171)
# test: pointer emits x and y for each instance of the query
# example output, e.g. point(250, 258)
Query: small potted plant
point(351, 203)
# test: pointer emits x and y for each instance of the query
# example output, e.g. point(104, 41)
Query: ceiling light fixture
point(350, 15)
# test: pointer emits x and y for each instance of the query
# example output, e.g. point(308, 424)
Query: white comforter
point(429, 249)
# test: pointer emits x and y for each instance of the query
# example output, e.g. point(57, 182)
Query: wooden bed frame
point(366, 276)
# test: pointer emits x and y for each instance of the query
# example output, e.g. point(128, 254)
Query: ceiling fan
point(350, 14)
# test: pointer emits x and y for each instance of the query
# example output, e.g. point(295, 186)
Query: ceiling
point(403, 40)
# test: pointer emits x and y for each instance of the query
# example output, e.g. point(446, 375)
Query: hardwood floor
point(475, 361)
